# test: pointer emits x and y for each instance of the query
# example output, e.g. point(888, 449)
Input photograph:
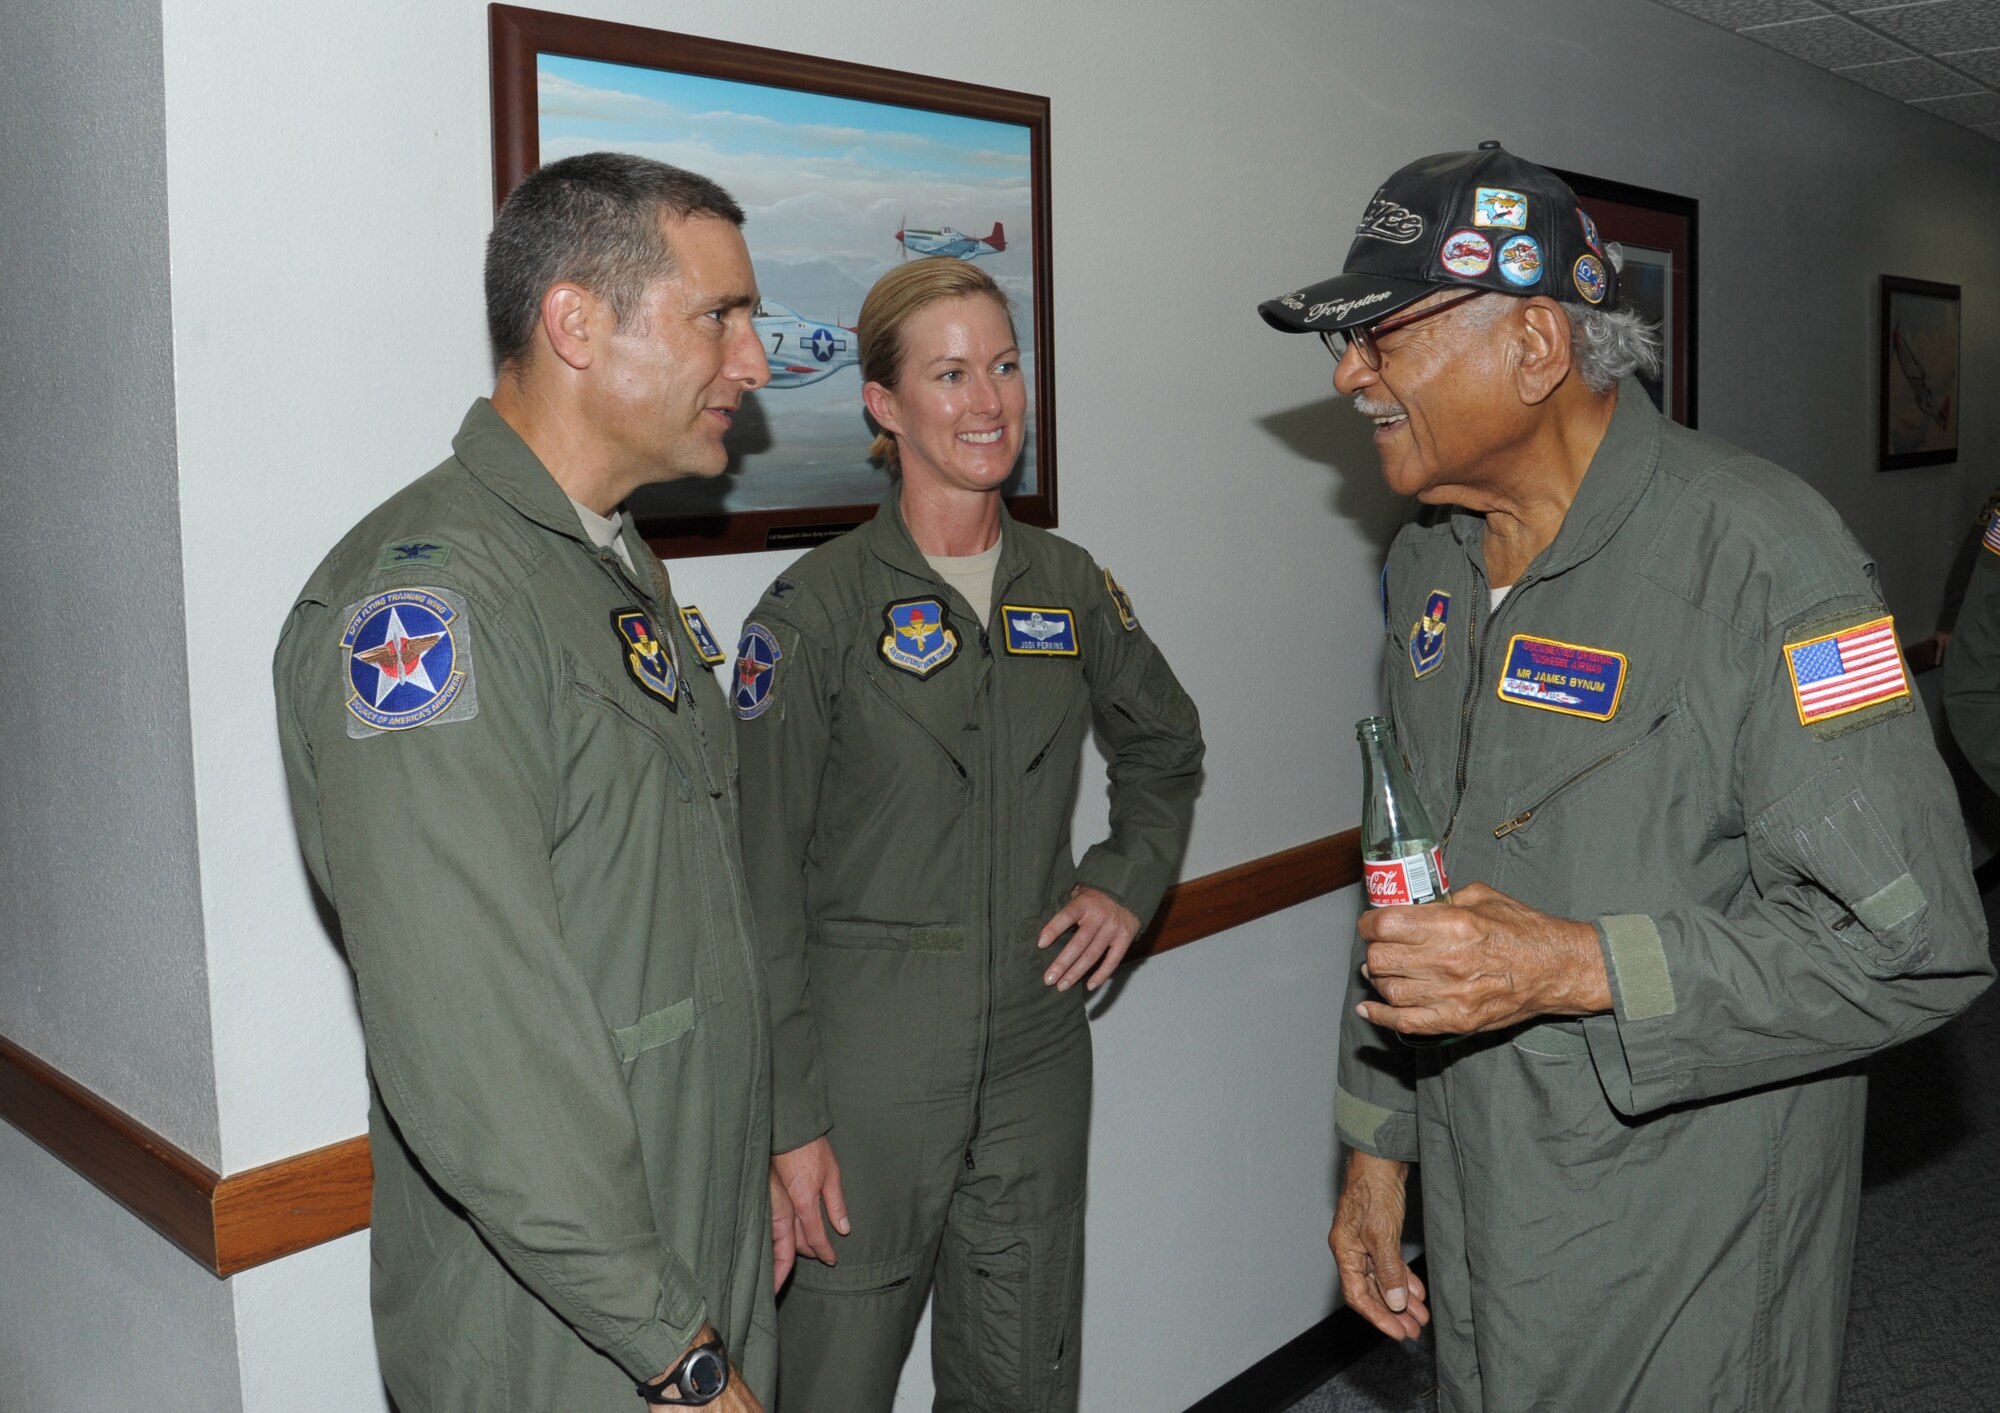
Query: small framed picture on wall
point(1919, 374)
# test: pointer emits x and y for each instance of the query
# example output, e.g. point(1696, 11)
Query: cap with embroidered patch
point(1485, 219)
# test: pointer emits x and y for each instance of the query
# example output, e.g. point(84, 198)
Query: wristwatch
point(695, 1382)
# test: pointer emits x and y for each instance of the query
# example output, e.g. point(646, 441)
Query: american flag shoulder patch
point(1991, 539)
point(1843, 672)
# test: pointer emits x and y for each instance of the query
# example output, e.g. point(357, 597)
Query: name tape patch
point(1040, 632)
point(705, 646)
point(1564, 677)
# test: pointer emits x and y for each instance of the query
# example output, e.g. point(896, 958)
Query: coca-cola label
point(1414, 878)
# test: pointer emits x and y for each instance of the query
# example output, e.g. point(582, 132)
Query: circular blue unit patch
point(401, 659)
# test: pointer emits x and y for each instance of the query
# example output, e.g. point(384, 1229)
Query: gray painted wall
point(96, 1311)
point(101, 963)
point(102, 969)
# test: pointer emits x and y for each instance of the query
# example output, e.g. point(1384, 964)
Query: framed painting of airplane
point(1660, 235)
point(1919, 362)
point(843, 172)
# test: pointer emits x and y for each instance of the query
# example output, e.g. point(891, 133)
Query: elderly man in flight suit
point(512, 775)
point(1972, 661)
point(1707, 856)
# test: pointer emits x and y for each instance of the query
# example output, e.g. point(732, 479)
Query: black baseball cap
point(1485, 219)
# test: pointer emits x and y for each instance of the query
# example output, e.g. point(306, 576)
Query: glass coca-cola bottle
point(1401, 862)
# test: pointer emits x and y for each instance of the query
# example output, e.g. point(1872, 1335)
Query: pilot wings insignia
point(1039, 632)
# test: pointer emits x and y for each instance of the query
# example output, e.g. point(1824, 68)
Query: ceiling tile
point(1973, 108)
point(1935, 27)
point(1830, 42)
point(1739, 14)
point(1982, 64)
point(1909, 78)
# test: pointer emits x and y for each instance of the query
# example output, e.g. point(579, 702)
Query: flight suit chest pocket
point(641, 874)
point(1579, 835)
point(613, 725)
point(1050, 705)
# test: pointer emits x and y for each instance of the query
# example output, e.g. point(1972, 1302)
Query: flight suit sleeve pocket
point(1830, 835)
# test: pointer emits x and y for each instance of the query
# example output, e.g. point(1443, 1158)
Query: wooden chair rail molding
point(229, 1224)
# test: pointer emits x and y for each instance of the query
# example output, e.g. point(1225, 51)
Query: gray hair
point(1607, 344)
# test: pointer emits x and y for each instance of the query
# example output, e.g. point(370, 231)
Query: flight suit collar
point(890, 540)
point(506, 465)
point(1619, 474)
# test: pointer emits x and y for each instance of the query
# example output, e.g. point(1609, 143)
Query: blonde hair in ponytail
point(897, 297)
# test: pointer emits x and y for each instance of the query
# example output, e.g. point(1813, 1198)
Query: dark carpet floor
point(1922, 1320)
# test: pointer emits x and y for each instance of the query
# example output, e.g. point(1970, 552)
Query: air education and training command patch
point(705, 647)
point(920, 639)
point(648, 661)
point(1121, 601)
point(1564, 677)
point(1040, 632)
point(756, 672)
point(1427, 634)
point(1848, 676)
point(409, 662)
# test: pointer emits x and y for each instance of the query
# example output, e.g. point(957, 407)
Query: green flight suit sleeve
point(783, 753)
point(1860, 926)
point(1152, 732)
point(1375, 1094)
point(1972, 669)
point(484, 1043)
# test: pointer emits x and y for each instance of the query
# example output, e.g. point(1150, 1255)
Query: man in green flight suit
point(511, 772)
point(1707, 856)
point(1972, 661)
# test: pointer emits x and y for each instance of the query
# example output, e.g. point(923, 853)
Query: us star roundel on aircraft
point(409, 662)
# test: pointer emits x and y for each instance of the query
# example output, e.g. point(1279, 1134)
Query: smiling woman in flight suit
point(912, 702)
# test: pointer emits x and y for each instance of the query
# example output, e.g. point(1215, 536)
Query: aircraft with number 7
point(803, 350)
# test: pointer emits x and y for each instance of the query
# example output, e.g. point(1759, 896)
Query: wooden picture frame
point(1661, 235)
point(1918, 346)
point(843, 170)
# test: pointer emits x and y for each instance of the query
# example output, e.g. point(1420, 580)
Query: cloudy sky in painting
point(825, 183)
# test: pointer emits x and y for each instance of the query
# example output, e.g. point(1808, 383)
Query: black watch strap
point(695, 1382)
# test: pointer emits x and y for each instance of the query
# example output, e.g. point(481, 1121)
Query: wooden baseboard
point(229, 1224)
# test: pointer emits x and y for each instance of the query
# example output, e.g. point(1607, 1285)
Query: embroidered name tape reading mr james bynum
point(1563, 677)
point(1842, 672)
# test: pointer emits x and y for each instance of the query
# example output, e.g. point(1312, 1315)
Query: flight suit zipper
point(1478, 645)
point(1472, 694)
point(1526, 816)
point(985, 702)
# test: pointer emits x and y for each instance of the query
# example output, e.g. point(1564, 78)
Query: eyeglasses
point(1366, 338)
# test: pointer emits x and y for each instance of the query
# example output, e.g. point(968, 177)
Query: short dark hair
point(593, 219)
